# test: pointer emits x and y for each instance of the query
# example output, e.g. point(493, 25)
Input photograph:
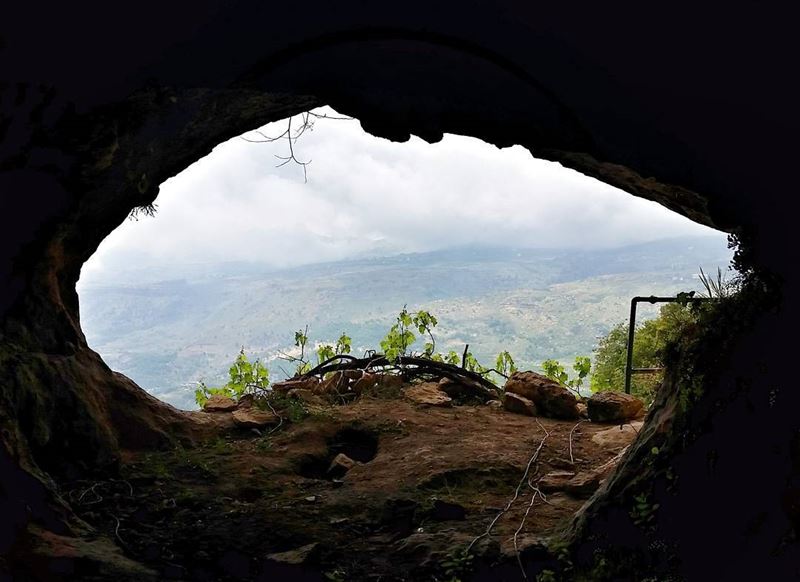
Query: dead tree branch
point(411, 366)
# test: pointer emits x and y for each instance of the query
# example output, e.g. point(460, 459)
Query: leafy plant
point(245, 378)
point(719, 287)
point(505, 364)
point(457, 564)
point(643, 512)
point(554, 370)
point(399, 338)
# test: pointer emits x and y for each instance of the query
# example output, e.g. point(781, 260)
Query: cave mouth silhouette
point(90, 147)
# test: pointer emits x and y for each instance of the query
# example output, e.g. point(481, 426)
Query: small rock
point(336, 382)
point(297, 557)
point(309, 383)
point(518, 404)
point(495, 404)
point(311, 498)
point(254, 418)
point(390, 381)
point(614, 407)
point(246, 401)
point(366, 382)
point(564, 464)
point(427, 393)
point(219, 403)
point(581, 485)
point(306, 396)
point(340, 465)
point(445, 511)
point(555, 481)
point(618, 436)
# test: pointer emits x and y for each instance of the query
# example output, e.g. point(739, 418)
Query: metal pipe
point(629, 369)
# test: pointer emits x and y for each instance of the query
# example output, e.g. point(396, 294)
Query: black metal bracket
point(629, 369)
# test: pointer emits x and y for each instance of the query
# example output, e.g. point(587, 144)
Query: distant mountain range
point(169, 327)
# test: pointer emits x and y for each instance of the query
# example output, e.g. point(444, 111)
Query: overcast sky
point(369, 196)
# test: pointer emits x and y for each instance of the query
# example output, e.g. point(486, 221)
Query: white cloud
point(367, 195)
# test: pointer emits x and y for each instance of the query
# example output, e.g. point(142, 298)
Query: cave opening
point(89, 133)
point(401, 485)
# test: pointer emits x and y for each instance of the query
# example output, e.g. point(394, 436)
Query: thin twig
point(280, 418)
point(519, 529)
point(517, 490)
point(571, 459)
point(116, 532)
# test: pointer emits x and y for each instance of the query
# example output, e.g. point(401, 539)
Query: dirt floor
point(429, 481)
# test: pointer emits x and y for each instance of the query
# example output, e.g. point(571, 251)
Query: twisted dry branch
point(409, 366)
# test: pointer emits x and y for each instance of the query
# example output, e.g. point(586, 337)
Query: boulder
point(551, 398)
point(614, 407)
point(254, 418)
point(308, 383)
point(583, 410)
point(518, 404)
point(306, 396)
point(618, 436)
point(555, 401)
point(528, 383)
point(427, 393)
point(340, 465)
point(219, 403)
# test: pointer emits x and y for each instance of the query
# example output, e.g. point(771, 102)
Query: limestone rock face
point(550, 397)
point(614, 407)
point(254, 418)
point(428, 394)
point(219, 403)
point(518, 404)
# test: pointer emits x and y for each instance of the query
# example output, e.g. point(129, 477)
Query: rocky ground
point(379, 488)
